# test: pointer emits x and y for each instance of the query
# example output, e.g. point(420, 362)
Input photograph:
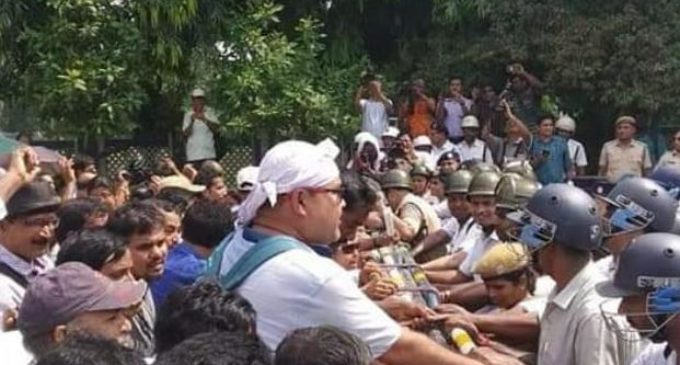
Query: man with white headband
point(296, 204)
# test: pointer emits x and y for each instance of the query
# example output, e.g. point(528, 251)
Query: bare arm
point(532, 80)
point(357, 98)
point(513, 328)
point(414, 348)
point(512, 118)
point(430, 242)
point(448, 262)
point(23, 169)
point(449, 277)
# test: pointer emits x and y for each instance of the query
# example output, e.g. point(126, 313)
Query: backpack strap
point(15, 276)
point(257, 255)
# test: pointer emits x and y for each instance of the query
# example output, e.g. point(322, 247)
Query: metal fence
point(122, 153)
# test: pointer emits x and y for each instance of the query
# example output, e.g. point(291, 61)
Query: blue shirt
point(554, 168)
point(182, 268)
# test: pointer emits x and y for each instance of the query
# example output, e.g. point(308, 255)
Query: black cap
point(33, 197)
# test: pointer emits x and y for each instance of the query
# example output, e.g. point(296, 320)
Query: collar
point(564, 298)
point(23, 267)
point(476, 143)
point(447, 145)
point(252, 235)
point(632, 144)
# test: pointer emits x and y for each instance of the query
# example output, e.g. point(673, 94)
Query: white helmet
point(198, 93)
point(422, 141)
point(469, 121)
point(565, 122)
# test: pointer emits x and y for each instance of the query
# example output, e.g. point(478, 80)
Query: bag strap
point(257, 255)
point(15, 276)
point(214, 264)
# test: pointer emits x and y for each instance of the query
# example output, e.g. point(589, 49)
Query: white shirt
point(299, 288)
point(447, 146)
point(654, 355)
point(573, 330)
point(466, 236)
point(450, 226)
point(13, 350)
point(374, 118)
point(606, 266)
point(477, 151)
point(200, 143)
point(11, 293)
point(443, 211)
point(577, 153)
point(476, 251)
point(454, 115)
point(426, 159)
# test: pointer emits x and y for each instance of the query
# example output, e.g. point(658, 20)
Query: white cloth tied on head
point(360, 140)
point(288, 166)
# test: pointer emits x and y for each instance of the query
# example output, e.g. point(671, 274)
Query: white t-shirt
point(13, 350)
point(442, 210)
point(466, 236)
point(478, 150)
point(476, 251)
point(451, 227)
point(200, 143)
point(374, 118)
point(654, 355)
point(577, 153)
point(299, 288)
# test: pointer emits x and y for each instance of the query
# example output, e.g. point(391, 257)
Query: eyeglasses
point(336, 192)
point(41, 221)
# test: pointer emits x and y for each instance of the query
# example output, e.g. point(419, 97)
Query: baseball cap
point(180, 182)
point(198, 93)
point(246, 178)
point(391, 132)
point(70, 289)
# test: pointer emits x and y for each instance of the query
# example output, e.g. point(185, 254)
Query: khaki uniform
point(669, 159)
point(422, 218)
point(620, 159)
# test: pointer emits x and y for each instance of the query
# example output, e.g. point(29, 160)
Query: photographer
point(523, 94)
point(375, 109)
point(199, 126)
point(451, 107)
point(417, 111)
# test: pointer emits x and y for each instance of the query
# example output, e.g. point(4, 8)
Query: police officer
point(561, 225)
point(420, 177)
point(512, 194)
point(414, 218)
point(481, 235)
point(454, 228)
point(648, 281)
point(635, 205)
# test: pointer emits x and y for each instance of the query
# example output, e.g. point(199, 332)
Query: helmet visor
point(531, 230)
point(622, 215)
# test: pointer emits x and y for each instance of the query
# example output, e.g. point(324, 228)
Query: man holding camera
point(375, 110)
point(523, 95)
point(199, 126)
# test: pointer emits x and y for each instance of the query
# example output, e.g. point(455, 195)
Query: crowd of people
point(458, 236)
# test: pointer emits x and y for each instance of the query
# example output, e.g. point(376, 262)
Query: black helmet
point(396, 179)
point(636, 203)
point(649, 265)
point(559, 213)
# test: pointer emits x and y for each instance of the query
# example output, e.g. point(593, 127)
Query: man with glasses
point(26, 235)
point(270, 262)
point(561, 226)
